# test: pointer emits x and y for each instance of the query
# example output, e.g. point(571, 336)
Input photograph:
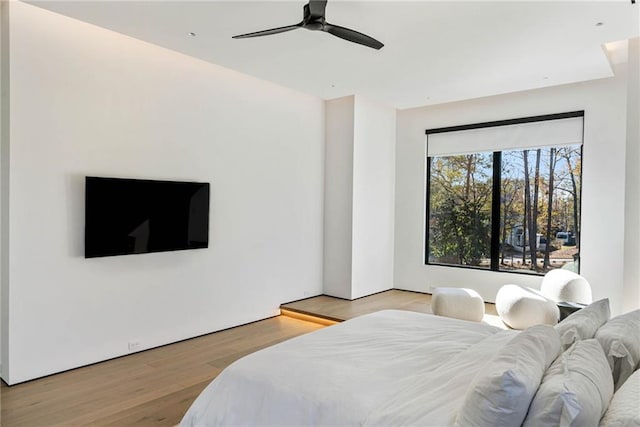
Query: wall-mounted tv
point(134, 216)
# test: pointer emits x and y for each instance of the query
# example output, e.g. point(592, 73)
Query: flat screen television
point(134, 216)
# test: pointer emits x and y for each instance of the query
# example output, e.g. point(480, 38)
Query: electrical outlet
point(134, 345)
point(307, 293)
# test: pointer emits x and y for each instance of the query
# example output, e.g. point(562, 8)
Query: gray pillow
point(620, 339)
point(624, 410)
point(500, 394)
point(575, 390)
point(583, 324)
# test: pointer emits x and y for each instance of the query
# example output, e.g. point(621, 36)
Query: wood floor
point(156, 387)
point(339, 309)
point(151, 388)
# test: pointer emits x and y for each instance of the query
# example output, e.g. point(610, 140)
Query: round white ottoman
point(565, 285)
point(520, 307)
point(459, 303)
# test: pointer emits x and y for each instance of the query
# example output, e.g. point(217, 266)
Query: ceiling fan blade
point(317, 8)
point(269, 32)
point(352, 36)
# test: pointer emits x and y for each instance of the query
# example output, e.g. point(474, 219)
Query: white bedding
point(386, 368)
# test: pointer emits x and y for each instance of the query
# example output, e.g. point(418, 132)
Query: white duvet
point(386, 368)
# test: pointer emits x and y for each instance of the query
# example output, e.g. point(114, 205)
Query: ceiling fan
point(314, 20)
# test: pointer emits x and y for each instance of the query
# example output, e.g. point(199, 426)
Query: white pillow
point(624, 409)
point(583, 324)
point(620, 339)
point(500, 393)
point(575, 390)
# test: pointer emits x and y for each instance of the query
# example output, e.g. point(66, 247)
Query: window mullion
point(428, 212)
point(495, 211)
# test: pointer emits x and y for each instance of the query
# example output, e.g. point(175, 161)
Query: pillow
point(583, 324)
point(624, 410)
point(575, 390)
point(500, 393)
point(620, 339)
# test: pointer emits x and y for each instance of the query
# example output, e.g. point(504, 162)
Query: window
point(505, 196)
point(460, 209)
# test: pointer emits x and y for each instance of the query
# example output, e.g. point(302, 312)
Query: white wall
point(631, 292)
point(359, 197)
point(605, 105)
point(373, 197)
point(338, 196)
point(89, 101)
point(4, 156)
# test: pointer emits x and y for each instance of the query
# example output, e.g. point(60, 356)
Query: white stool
point(459, 303)
point(564, 285)
point(521, 307)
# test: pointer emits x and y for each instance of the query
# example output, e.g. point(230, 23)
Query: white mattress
point(386, 368)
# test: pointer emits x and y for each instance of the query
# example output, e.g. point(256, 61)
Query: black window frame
point(497, 186)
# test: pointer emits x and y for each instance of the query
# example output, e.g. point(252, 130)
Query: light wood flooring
point(151, 388)
point(338, 309)
point(156, 387)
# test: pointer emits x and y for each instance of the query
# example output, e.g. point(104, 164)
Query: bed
point(353, 373)
point(387, 368)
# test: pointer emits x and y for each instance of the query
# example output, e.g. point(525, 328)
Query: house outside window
point(514, 204)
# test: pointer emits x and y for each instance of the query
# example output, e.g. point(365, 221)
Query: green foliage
point(460, 220)
point(462, 230)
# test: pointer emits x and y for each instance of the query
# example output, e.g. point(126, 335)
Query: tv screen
point(134, 216)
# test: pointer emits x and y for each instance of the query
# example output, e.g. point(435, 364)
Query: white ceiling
point(434, 52)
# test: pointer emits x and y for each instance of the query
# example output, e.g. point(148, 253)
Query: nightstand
point(566, 308)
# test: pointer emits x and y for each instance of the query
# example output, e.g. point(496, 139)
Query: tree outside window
point(538, 211)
